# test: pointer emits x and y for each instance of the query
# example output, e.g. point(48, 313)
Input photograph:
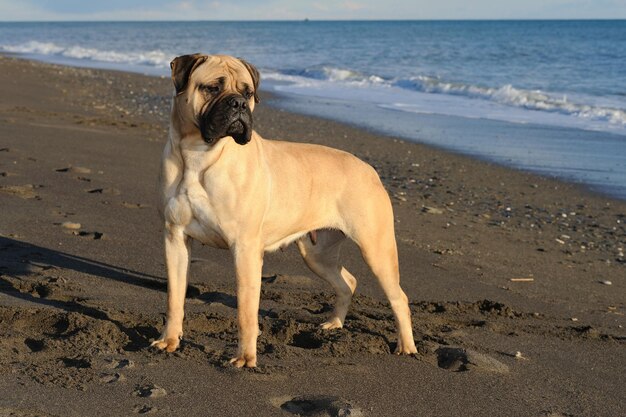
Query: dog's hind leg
point(177, 246)
point(321, 254)
point(381, 254)
point(373, 232)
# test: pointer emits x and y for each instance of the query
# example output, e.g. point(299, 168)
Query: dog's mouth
point(224, 120)
point(239, 131)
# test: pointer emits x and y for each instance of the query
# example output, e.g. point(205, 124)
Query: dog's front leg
point(248, 265)
point(177, 263)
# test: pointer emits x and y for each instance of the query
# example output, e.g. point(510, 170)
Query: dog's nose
point(238, 103)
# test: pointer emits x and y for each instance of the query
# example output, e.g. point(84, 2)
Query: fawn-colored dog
point(229, 188)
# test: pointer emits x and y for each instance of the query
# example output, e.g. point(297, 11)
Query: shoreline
point(83, 290)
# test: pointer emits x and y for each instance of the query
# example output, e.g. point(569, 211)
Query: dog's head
point(215, 94)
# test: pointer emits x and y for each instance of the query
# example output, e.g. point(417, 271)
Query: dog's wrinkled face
point(216, 95)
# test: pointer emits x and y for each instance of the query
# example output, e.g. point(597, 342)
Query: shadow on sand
point(21, 260)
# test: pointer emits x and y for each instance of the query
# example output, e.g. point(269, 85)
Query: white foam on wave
point(352, 77)
point(423, 94)
point(528, 99)
point(326, 73)
point(155, 58)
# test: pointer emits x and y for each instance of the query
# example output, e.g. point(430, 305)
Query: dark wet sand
point(78, 306)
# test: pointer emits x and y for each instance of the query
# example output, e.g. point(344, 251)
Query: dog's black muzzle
point(229, 116)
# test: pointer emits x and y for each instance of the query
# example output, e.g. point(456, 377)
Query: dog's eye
point(210, 89)
point(248, 94)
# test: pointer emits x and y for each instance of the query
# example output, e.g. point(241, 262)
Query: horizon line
point(324, 20)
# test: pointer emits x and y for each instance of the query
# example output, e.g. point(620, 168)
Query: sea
point(543, 96)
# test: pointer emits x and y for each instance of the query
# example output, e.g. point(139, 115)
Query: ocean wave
point(155, 58)
point(330, 73)
point(507, 95)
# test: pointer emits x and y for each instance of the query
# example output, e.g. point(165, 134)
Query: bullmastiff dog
point(224, 185)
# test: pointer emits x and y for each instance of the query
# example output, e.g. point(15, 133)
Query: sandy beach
point(516, 282)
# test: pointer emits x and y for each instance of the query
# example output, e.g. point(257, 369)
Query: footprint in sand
point(35, 345)
point(461, 360)
point(150, 391)
point(318, 406)
point(112, 378)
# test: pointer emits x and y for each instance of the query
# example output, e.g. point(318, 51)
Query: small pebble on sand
point(432, 210)
point(606, 282)
point(71, 225)
point(81, 170)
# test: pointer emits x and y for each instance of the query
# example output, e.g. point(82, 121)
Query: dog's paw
point(169, 344)
point(332, 323)
point(405, 349)
point(244, 361)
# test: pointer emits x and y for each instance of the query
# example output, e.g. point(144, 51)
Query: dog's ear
point(182, 67)
point(256, 77)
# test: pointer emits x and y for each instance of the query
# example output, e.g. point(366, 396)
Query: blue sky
point(313, 9)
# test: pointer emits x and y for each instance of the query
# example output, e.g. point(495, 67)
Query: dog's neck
point(195, 153)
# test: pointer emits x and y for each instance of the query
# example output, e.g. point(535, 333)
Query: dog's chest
point(194, 208)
